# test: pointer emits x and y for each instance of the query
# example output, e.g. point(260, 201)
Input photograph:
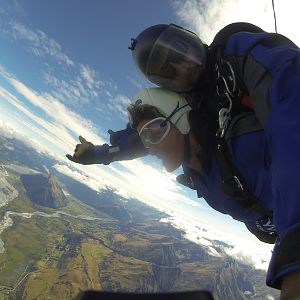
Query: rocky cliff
point(44, 190)
point(105, 201)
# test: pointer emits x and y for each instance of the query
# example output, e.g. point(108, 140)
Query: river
point(9, 193)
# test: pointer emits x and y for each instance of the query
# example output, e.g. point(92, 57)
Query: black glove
point(87, 153)
point(186, 181)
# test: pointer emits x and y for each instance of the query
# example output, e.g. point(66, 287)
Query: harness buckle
point(225, 87)
point(239, 184)
point(224, 118)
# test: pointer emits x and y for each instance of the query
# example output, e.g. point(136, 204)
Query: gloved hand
point(87, 153)
point(186, 181)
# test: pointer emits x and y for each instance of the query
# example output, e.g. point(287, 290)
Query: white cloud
point(96, 185)
point(207, 17)
point(89, 75)
point(118, 104)
point(39, 43)
point(65, 91)
point(154, 186)
point(63, 121)
point(80, 85)
point(82, 88)
point(248, 250)
point(10, 8)
point(9, 130)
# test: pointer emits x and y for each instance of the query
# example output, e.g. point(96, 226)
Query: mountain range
point(60, 237)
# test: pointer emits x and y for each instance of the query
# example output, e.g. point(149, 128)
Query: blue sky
point(65, 71)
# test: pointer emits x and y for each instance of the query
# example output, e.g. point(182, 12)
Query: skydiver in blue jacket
point(249, 81)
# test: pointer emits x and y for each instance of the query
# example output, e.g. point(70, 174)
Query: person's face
point(170, 150)
point(183, 72)
point(187, 72)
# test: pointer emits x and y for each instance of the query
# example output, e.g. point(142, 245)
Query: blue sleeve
point(269, 67)
point(126, 144)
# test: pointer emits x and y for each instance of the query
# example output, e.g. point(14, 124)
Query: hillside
point(43, 189)
point(98, 240)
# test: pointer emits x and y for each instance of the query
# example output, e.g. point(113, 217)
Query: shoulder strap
point(222, 36)
point(228, 85)
point(243, 123)
point(263, 235)
point(233, 183)
point(228, 99)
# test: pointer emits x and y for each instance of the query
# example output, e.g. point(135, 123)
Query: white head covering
point(166, 101)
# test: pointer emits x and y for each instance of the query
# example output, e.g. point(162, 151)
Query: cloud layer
point(53, 126)
point(251, 252)
point(207, 17)
point(73, 83)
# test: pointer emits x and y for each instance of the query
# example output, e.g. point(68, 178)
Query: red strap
point(246, 101)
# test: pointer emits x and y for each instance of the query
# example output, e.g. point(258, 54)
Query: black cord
point(274, 16)
point(177, 108)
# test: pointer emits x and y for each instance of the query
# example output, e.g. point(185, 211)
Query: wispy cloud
point(73, 83)
point(10, 8)
point(39, 43)
point(89, 75)
point(207, 17)
point(83, 87)
point(86, 89)
point(62, 124)
point(75, 91)
point(119, 103)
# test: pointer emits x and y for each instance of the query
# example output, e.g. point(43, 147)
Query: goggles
point(154, 131)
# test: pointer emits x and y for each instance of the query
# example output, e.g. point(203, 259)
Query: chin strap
point(186, 149)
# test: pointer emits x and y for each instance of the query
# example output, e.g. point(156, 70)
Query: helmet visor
point(154, 131)
point(176, 59)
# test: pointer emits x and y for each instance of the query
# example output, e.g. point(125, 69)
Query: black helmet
point(169, 56)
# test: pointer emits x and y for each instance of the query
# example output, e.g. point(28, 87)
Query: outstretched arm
point(125, 145)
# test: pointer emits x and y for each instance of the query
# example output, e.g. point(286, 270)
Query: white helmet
point(166, 102)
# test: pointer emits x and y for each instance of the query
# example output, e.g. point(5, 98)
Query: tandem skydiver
point(228, 113)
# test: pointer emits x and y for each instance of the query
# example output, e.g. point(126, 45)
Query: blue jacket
point(268, 65)
point(250, 154)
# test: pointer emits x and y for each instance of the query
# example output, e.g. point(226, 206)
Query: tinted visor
point(176, 60)
point(154, 131)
